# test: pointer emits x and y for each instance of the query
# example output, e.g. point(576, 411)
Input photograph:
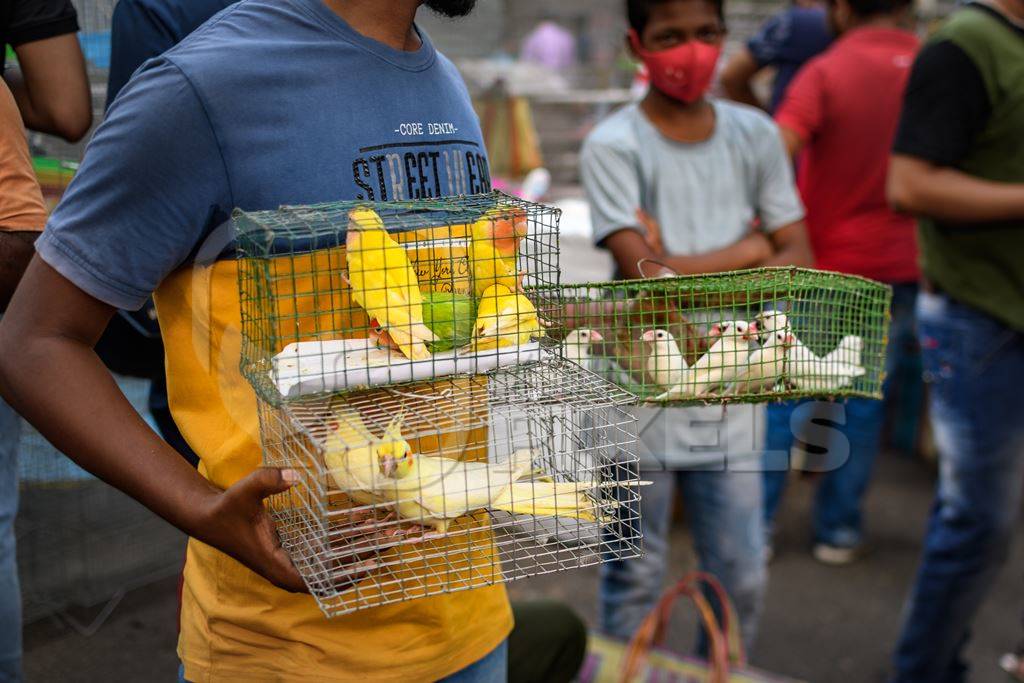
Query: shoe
point(1013, 664)
point(836, 555)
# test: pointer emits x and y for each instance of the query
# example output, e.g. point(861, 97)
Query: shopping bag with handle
point(645, 660)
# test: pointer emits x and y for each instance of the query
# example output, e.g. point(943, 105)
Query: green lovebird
point(450, 317)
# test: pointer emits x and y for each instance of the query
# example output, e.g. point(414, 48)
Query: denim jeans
point(723, 508)
point(491, 668)
point(851, 433)
point(974, 366)
point(10, 596)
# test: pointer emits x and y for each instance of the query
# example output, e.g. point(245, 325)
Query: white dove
point(664, 363)
point(722, 362)
point(576, 346)
point(808, 372)
point(766, 364)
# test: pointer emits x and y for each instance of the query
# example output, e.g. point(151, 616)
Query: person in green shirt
point(958, 164)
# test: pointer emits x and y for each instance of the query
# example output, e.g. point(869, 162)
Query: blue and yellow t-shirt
point(273, 102)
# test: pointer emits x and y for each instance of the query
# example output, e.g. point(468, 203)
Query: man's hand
point(237, 523)
point(652, 230)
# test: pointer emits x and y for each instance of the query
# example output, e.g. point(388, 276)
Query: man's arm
point(923, 188)
point(51, 87)
point(46, 341)
point(737, 76)
point(15, 253)
point(787, 246)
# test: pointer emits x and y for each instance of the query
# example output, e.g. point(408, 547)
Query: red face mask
point(682, 72)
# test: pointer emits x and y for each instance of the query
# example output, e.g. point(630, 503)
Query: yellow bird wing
point(384, 283)
point(504, 319)
point(489, 267)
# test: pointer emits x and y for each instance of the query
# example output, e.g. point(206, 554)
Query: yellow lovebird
point(434, 491)
point(384, 283)
point(493, 250)
point(503, 318)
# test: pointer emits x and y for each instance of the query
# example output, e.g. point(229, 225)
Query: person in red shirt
point(840, 115)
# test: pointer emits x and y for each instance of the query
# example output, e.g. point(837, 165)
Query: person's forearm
point(734, 257)
point(60, 385)
point(32, 119)
point(15, 253)
point(946, 194)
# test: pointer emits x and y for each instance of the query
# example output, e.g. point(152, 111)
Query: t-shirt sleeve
point(769, 43)
point(612, 187)
point(802, 110)
point(32, 20)
point(945, 106)
point(152, 185)
point(778, 203)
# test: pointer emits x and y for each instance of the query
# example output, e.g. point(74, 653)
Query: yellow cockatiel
point(493, 250)
point(384, 283)
point(434, 491)
point(503, 318)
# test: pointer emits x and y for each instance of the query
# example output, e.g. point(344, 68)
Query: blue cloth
point(786, 41)
point(851, 432)
point(973, 365)
point(143, 29)
point(207, 127)
point(493, 668)
point(10, 594)
point(723, 508)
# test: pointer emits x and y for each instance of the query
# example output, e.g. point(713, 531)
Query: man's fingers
point(266, 481)
point(288, 576)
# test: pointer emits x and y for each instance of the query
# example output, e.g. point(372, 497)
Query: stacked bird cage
point(402, 368)
point(746, 336)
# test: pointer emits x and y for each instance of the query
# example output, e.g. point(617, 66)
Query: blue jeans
point(724, 512)
point(10, 595)
point(851, 434)
point(974, 366)
point(491, 668)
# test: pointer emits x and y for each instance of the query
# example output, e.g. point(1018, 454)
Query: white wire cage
point(454, 484)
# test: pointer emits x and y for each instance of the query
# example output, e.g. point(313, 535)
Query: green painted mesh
point(659, 336)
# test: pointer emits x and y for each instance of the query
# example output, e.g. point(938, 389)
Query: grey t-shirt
point(705, 196)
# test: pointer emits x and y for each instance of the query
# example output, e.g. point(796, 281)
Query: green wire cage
point(747, 336)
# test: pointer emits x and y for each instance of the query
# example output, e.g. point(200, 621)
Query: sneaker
point(836, 555)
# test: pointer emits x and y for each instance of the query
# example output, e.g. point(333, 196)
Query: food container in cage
point(352, 295)
point(454, 484)
point(746, 336)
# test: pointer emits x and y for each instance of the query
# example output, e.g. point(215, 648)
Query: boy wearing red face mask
point(715, 179)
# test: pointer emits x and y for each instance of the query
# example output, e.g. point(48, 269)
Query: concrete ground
point(820, 624)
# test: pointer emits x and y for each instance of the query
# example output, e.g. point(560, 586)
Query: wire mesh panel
point(750, 336)
point(454, 484)
point(349, 295)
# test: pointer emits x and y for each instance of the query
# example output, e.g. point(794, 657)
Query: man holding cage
point(342, 113)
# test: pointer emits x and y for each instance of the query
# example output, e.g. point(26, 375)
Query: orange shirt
point(21, 202)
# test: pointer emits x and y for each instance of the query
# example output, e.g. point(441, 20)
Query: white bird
point(808, 372)
point(766, 364)
point(723, 361)
point(769, 322)
point(664, 363)
point(576, 346)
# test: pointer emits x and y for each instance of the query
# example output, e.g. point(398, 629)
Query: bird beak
point(789, 341)
point(647, 336)
point(715, 331)
point(596, 336)
point(388, 465)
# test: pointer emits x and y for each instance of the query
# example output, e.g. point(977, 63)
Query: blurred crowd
point(844, 136)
